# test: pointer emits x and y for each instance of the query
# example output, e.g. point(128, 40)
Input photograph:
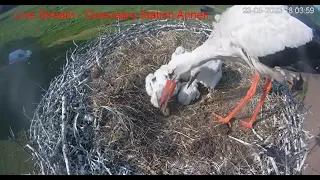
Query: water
point(18, 93)
point(20, 90)
point(21, 87)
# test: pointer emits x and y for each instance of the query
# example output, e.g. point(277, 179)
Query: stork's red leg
point(251, 92)
point(266, 90)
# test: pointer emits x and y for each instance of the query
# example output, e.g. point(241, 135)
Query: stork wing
point(262, 34)
point(273, 34)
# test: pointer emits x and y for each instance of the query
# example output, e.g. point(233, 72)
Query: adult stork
point(276, 45)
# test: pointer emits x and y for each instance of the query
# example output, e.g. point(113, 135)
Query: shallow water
point(21, 86)
point(18, 92)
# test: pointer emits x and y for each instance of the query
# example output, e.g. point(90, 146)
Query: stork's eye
point(171, 75)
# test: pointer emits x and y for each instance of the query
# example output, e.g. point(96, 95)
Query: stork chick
point(276, 45)
point(185, 93)
point(155, 85)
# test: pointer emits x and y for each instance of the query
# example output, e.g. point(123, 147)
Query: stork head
point(179, 70)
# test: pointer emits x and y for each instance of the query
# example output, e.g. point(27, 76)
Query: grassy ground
point(51, 30)
point(13, 159)
point(47, 39)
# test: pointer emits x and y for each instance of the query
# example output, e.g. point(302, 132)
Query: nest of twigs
point(96, 117)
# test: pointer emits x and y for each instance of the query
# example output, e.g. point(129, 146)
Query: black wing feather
point(305, 58)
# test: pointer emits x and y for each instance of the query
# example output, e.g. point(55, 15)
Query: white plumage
point(246, 37)
point(19, 55)
point(210, 76)
point(216, 18)
point(210, 72)
point(187, 95)
point(258, 39)
point(179, 50)
point(155, 83)
point(260, 34)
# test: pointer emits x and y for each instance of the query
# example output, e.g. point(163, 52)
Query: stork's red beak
point(167, 93)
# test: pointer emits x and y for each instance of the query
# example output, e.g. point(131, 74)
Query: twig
point(240, 141)
point(72, 144)
point(63, 134)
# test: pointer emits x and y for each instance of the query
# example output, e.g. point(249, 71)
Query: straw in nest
point(105, 124)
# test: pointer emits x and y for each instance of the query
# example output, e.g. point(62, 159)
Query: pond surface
point(21, 86)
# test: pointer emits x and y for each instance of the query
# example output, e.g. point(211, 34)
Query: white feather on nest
point(210, 75)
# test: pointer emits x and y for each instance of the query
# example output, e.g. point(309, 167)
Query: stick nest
point(96, 117)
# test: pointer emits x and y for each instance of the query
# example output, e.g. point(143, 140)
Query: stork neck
point(206, 53)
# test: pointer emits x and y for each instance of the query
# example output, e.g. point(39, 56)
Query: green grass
point(47, 39)
point(51, 30)
point(46, 32)
point(51, 37)
point(13, 159)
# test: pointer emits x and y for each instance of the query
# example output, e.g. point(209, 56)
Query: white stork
point(209, 77)
point(275, 45)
